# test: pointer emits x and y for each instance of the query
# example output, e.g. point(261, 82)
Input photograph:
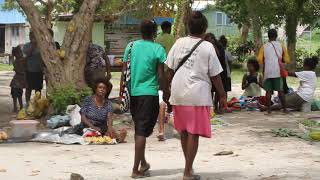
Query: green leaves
point(62, 97)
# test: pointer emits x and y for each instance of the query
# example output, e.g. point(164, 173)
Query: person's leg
point(140, 143)
point(192, 149)
point(20, 102)
point(161, 118)
point(28, 95)
point(184, 143)
point(15, 109)
point(268, 97)
point(283, 101)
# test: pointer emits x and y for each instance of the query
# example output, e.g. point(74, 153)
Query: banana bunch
point(99, 140)
point(37, 106)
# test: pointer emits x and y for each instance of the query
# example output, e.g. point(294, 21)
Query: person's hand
point(223, 103)
point(97, 129)
point(110, 132)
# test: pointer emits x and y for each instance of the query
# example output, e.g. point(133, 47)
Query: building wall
point(60, 27)
point(225, 28)
point(14, 36)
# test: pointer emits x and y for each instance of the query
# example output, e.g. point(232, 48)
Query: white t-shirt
point(308, 84)
point(191, 85)
point(271, 60)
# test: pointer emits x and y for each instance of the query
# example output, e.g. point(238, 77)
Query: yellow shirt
point(166, 40)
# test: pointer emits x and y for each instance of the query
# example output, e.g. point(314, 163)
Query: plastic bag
point(58, 121)
point(74, 112)
point(53, 137)
point(22, 114)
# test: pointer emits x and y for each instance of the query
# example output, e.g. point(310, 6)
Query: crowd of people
point(166, 75)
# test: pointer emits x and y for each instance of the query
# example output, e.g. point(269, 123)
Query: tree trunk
point(257, 35)
point(63, 69)
point(291, 31)
point(180, 25)
point(245, 32)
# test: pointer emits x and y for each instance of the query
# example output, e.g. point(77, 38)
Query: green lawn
point(6, 67)
point(238, 74)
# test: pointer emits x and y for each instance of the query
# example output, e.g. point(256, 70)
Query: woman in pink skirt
point(193, 68)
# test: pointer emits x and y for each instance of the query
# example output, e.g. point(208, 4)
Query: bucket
point(23, 129)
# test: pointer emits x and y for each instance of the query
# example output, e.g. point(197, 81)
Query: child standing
point(18, 82)
point(252, 81)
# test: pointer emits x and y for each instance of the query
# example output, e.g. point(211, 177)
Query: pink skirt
point(193, 119)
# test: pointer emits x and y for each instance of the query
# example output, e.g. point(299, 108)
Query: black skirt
point(34, 80)
point(145, 111)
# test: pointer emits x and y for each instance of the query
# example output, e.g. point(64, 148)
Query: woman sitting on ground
point(306, 90)
point(96, 112)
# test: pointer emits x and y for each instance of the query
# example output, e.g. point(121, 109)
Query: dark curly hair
point(311, 62)
point(254, 63)
point(148, 29)
point(272, 34)
point(165, 25)
point(197, 23)
point(106, 83)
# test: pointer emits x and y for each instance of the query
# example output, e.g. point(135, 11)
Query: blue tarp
point(11, 16)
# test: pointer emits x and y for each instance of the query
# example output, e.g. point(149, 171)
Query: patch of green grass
point(6, 67)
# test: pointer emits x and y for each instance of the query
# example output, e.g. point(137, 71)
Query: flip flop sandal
point(161, 137)
point(147, 168)
point(141, 175)
point(192, 177)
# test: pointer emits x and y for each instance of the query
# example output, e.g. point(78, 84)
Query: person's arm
point(292, 74)
point(217, 83)
point(244, 82)
point(88, 123)
point(110, 124)
point(163, 82)
point(285, 55)
point(108, 66)
point(260, 81)
point(260, 56)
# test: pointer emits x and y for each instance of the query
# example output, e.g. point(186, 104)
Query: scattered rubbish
point(224, 153)
point(75, 176)
point(283, 132)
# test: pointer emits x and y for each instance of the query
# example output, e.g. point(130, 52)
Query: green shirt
point(166, 40)
point(145, 56)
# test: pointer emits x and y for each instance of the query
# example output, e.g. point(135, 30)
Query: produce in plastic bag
point(3, 136)
point(58, 121)
point(22, 114)
point(74, 112)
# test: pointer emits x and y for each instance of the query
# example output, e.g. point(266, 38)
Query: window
point(15, 31)
point(219, 18)
point(222, 19)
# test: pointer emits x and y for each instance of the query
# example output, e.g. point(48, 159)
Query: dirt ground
point(257, 154)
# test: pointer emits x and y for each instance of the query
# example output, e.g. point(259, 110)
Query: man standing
point(97, 65)
point(272, 55)
point(146, 59)
point(35, 67)
point(166, 39)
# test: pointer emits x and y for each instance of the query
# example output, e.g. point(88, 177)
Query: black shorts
point(145, 111)
point(34, 80)
point(16, 92)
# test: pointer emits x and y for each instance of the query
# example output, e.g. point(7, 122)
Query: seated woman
point(306, 90)
point(96, 112)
